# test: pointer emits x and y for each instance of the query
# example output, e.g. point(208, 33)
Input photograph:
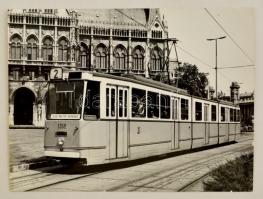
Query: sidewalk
point(25, 145)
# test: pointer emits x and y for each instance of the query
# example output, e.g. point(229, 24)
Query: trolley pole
point(215, 39)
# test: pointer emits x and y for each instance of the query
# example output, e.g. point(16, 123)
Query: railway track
point(154, 181)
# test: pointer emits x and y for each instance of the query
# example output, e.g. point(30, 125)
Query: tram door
point(175, 134)
point(227, 124)
point(207, 128)
point(117, 109)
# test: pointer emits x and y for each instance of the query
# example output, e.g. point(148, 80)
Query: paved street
point(169, 174)
point(25, 144)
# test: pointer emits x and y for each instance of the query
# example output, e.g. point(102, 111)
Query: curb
point(33, 165)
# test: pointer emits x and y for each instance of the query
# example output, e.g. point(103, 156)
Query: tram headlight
point(60, 141)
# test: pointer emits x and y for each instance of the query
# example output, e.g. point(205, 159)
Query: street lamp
point(215, 39)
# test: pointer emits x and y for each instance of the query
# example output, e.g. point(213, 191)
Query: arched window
point(63, 50)
point(84, 56)
point(15, 47)
point(138, 58)
point(101, 57)
point(47, 49)
point(32, 49)
point(156, 59)
point(120, 58)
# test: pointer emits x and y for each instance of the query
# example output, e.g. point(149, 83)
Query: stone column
point(55, 53)
point(35, 122)
point(129, 53)
point(11, 114)
point(24, 40)
point(92, 53)
point(147, 58)
point(40, 39)
point(110, 52)
point(43, 114)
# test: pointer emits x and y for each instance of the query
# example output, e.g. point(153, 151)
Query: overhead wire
point(217, 22)
point(200, 60)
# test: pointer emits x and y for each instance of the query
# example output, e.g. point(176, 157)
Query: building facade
point(103, 40)
point(246, 104)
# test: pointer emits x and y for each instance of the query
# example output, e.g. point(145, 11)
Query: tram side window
point(227, 114)
point(92, 101)
point(107, 101)
point(113, 102)
point(231, 115)
point(223, 116)
point(198, 111)
point(138, 102)
point(238, 115)
point(184, 109)
point(213, 113)
point(234, 115)
point(122, 103)
point(165, 106)
point(153, 105)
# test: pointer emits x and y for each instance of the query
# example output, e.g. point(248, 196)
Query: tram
point(104, 118)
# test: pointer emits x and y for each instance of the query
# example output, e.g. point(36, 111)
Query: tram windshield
point(65, 100)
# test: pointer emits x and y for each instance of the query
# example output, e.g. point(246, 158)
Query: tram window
point(206, 112)
point(138, 103)
point(112, 102)
point(153, 105)
point(213, 113)
point(231, 115)
point(227, 114)
point(184, 109)
point(125, 103)
point(165, 106)
point(238, 115)
point(92, 100)
point(107, 101)
point(198, 111)
point(223, 116)
point(121, 101)
point(234, 115)
point(174, 109)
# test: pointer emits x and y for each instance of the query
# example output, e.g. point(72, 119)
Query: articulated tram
point(105, 118)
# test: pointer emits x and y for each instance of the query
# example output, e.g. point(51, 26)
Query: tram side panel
point(232, 131)
point(237, 131)
point(213, 137)
point(185, 135)
point(223, 132)
point(149, 138)
point(94, 141)
point(199, 130)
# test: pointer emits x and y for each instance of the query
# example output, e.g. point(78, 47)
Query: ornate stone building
point(246, 104)
point(103, 40)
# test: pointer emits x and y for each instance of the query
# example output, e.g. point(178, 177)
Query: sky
point(193, 26)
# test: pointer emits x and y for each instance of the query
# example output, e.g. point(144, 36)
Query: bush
point(236, 175)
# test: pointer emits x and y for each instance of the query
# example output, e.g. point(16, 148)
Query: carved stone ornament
point(48, 32)
point(15, 31)
point(32, 32)
point(63, 33)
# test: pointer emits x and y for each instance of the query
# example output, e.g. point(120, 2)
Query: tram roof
point(143, 81)
point(151, 83)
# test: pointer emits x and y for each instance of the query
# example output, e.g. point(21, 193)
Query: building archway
point(23, 106)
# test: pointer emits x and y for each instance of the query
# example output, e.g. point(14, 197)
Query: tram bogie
point(104, 118)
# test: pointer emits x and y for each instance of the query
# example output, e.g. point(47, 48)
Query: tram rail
point(48, 177)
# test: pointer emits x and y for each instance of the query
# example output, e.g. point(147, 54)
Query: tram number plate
point(56, 73)
point(62, 126)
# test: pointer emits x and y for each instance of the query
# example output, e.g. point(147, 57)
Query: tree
point(192, 80)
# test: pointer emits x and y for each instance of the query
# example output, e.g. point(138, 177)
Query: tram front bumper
point(63, 154)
